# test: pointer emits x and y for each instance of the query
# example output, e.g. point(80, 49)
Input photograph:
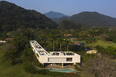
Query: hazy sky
point(69, 7)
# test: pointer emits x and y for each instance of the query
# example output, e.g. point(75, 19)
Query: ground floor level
point(59, 64)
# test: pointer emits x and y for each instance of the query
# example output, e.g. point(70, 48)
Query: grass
point(105, 43)
point(8, 70)
point(101, 43)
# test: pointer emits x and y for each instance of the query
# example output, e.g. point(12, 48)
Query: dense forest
point(13, 17)
point(59, 20)
point(92, 19)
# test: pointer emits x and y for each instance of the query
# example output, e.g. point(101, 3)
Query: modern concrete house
point(58, 57)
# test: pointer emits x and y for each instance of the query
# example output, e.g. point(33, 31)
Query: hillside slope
point(90, 19)
point(93, 19)
point(52, 14)
point(13, 17)
point(59, 20)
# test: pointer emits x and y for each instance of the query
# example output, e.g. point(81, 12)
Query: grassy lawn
point(7, 70)
point(105, 43)
point(101, 43)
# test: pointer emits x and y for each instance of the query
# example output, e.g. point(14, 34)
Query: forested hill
point(13, 17)
point(52, 14)
point(91, 19)
point(59, 20)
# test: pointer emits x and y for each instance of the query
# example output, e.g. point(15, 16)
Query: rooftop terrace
point(42, 51)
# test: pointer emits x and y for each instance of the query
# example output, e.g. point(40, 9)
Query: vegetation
point(59, 20)
point(100, 42)
point(69, 25)
point(92, 19)
point(99, 67)
point(9, 70)
point(13, 17)
point(52, 14)
point(17, 53)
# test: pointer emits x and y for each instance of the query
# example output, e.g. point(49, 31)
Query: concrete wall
point(49, 58)
point(59, 59)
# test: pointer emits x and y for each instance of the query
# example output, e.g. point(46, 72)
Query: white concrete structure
point(91, 52)
point(54, 57)
point(1, 41)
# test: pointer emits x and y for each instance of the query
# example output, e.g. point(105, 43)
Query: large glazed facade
point(54, 57)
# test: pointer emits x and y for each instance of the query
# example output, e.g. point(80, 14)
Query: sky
point(69, 7)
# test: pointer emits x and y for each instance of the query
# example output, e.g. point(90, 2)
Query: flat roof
point(43, 52)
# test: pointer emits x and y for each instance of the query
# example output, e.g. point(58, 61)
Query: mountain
point(13, 17)
point(59, 20)
point(52, 14)
point(91, 19)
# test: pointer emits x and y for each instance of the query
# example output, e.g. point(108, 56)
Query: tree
point(99, 67)
point(13, 17)
point(19, 42)
point(60, 40)
point(14, 55)
point(69, 25)
point(91, 40)
point(100, 48)
point(51, 38)
point(104, 36)
point(67, 41)
point(110, 50)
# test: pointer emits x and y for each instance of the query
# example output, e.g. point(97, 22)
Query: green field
point(101, 43)
point(105, 43)
point(7, 70)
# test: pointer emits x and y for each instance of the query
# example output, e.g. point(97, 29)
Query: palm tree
point(51, 38)
point(67, 41)
point(60, 40)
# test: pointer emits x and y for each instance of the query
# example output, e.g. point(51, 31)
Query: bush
point(37, 63)
point(28, 67)
point(79, 69)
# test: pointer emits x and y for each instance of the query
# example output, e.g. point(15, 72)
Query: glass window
point(68, 59)
point(48, 59)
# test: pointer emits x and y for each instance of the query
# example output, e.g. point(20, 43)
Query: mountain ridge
point(52, 14)
point(13, 17)
point(93, 19)
point(90, 19)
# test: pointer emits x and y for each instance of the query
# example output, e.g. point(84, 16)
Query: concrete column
point(62, 64)
point(43, 63)
point(53, 46)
